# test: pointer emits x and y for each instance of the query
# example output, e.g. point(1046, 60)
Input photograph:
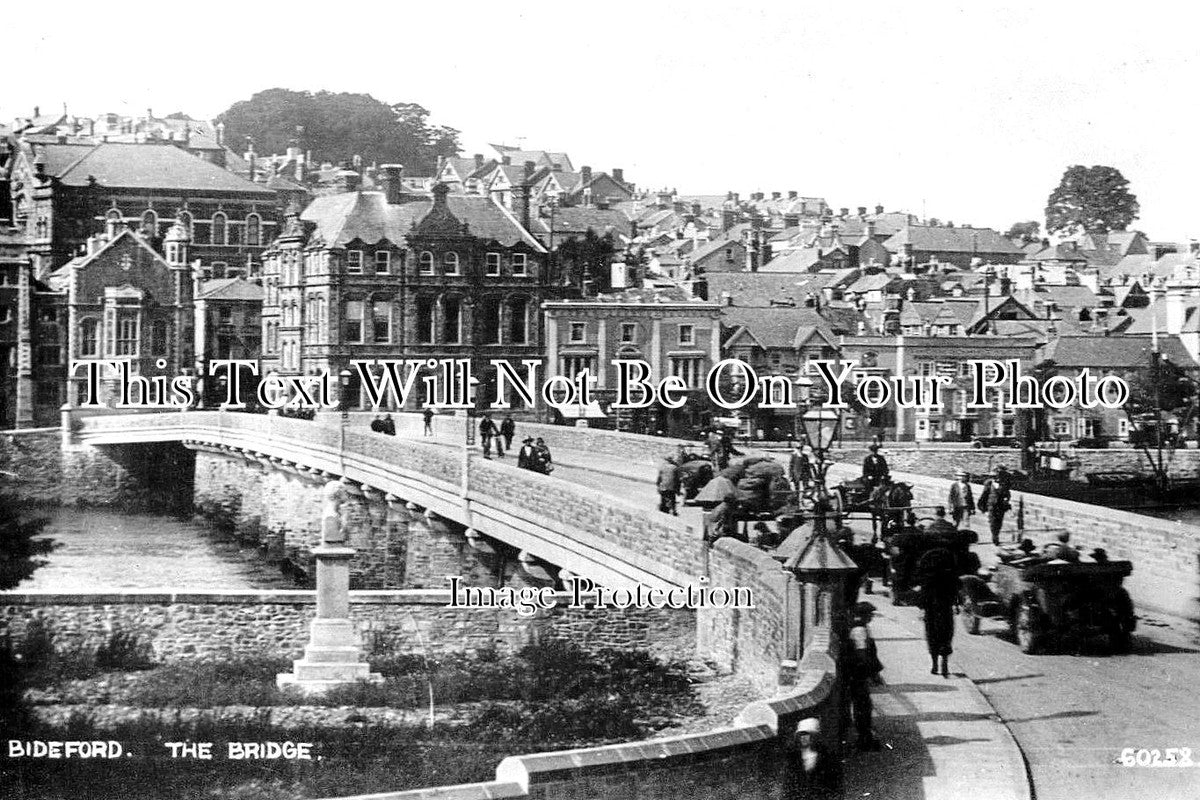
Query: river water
point(101, 550)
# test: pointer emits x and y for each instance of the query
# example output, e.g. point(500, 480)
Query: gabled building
point(961, 246)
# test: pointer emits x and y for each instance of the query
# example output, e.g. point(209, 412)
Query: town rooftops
point(1116, 352)
point(775, 327)
point(369, 218)
point(141, 166)
point(667, 295)
point(938, 239)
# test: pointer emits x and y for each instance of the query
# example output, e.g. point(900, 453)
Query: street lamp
point(344, 406)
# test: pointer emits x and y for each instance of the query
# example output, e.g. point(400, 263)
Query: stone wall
point(187, 625)
point(33, 457)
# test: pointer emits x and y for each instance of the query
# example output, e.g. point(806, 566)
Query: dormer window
point(383, 262)
point(426, 263)
point(519, 265)
point(354, 262)
point(493, 264)
point(450, 262)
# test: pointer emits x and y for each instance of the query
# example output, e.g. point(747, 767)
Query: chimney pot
point(878, 209)
point(776, 195)
point(585, 174)
point(478, 160)
point(618, 174)
point(393, 182)
point(529, 167)
point(506, 160)
point(862, 211)
point(793, 194)
point(845, 212)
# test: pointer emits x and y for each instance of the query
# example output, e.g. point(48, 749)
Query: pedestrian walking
point(486, 430)
point(508, 429)
point(527, 456)
point(428, 421)
point(862, 669)
point(996, 499)
point(668, 486)
point(961, 499)
point(389, 425)
point(800, 469)
point(936, 575)
point(545, 462)
point(812, 772)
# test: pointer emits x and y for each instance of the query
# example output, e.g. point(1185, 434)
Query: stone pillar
point(479, 561)
point(333, 656)
point(530, 572)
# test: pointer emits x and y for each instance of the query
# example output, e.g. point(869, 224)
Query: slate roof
point(760, 288)
point(951, 240)
point(709, 248)
point(576, 219)
point(230, 289)
point(142, 166)
point(1115, 352)
point(797, 261)
point(775, 326)
point(367, 216)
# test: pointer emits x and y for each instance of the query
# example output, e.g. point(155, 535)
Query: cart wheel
point(1028, 628)
point(969, 616)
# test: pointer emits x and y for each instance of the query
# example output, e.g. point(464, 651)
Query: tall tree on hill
point(1024, 232)
point(1092, 200)
point(336, 126)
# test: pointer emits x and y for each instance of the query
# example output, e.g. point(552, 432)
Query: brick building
point(390, 274)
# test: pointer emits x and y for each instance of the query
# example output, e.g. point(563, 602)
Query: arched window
point(450, 261)
point(150, 224)
point(253, 230)
point(112, 222)
point(158, 338)
point(426, 263)
point(185, 219)
point(89, 337)
point(518, 320)
point(218, 229)
point(425, 320)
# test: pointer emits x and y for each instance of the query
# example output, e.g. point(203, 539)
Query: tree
point(20, 551)
point(1163, 387)
point(336, 126)
point(1024, 232)
point(587, 261)
point(1091, 199)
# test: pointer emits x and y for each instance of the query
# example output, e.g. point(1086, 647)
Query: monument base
point(332, 658)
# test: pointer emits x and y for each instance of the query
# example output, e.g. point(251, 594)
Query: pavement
point(941, 738)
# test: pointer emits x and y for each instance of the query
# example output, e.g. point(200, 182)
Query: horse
point(889, 504)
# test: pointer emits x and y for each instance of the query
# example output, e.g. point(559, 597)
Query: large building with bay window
point(389, 274)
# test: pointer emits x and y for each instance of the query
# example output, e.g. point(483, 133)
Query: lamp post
point(344, 407)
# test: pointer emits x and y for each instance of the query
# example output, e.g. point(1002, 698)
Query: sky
point(965, 112)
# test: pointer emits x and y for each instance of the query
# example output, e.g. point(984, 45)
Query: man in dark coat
point(875, 467)
point(996, 499)
point(487, 430)
point(527, 457)
point(377, 425)
point(938, 579)
point(508, 429)
point(800, 469)
point(428, 414)
point(545, 462)
point(668, 486)
point(389, 425)
point(961, 499)
point(862, 668)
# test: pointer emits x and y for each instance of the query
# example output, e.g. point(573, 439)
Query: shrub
point(124, 651)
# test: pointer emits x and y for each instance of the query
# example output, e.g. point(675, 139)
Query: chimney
point(506, 160)
point(520, 200)
point(862, 211)
point(679, 207)
point(221, 133)
point(37, 111)
point(618, 174)
point(697, 210)
point(878, 210)
point(776, 195)
point(793, 194)
point(845, 212)
point(1176, 312)
point(791, 220)
point(727, 219)
point(393, 183)
point(529, 168)
point(348, 180)
point(870, 228)
point(479, 161)
point(585, 175)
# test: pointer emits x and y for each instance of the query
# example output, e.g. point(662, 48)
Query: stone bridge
point(611, 540)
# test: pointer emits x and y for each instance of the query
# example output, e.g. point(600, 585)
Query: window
point(354, 321)
point(185, 220)
point(225, 315)
point(127, 334)
point(426, 263)
point(158, 338)
point(729, 255)
point(687, 335)
point(383, 262)
point(1122, 427)
point(578, 330)
point(493, 264)
point(519, 265)
point(219, 268)
point(926, 369)
point(233, 234)
point(217, 233)
point(450, 262)
point(688, 369)
point(89, 340)
point(381, 321)
point(424, 319)
point(150, 224)
point(49, 350)
point(253, 230)
point(451, 320)
point(573, 365)
point(489, 332)
point(354, 262)
point(518, 320)
point(628, 332)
